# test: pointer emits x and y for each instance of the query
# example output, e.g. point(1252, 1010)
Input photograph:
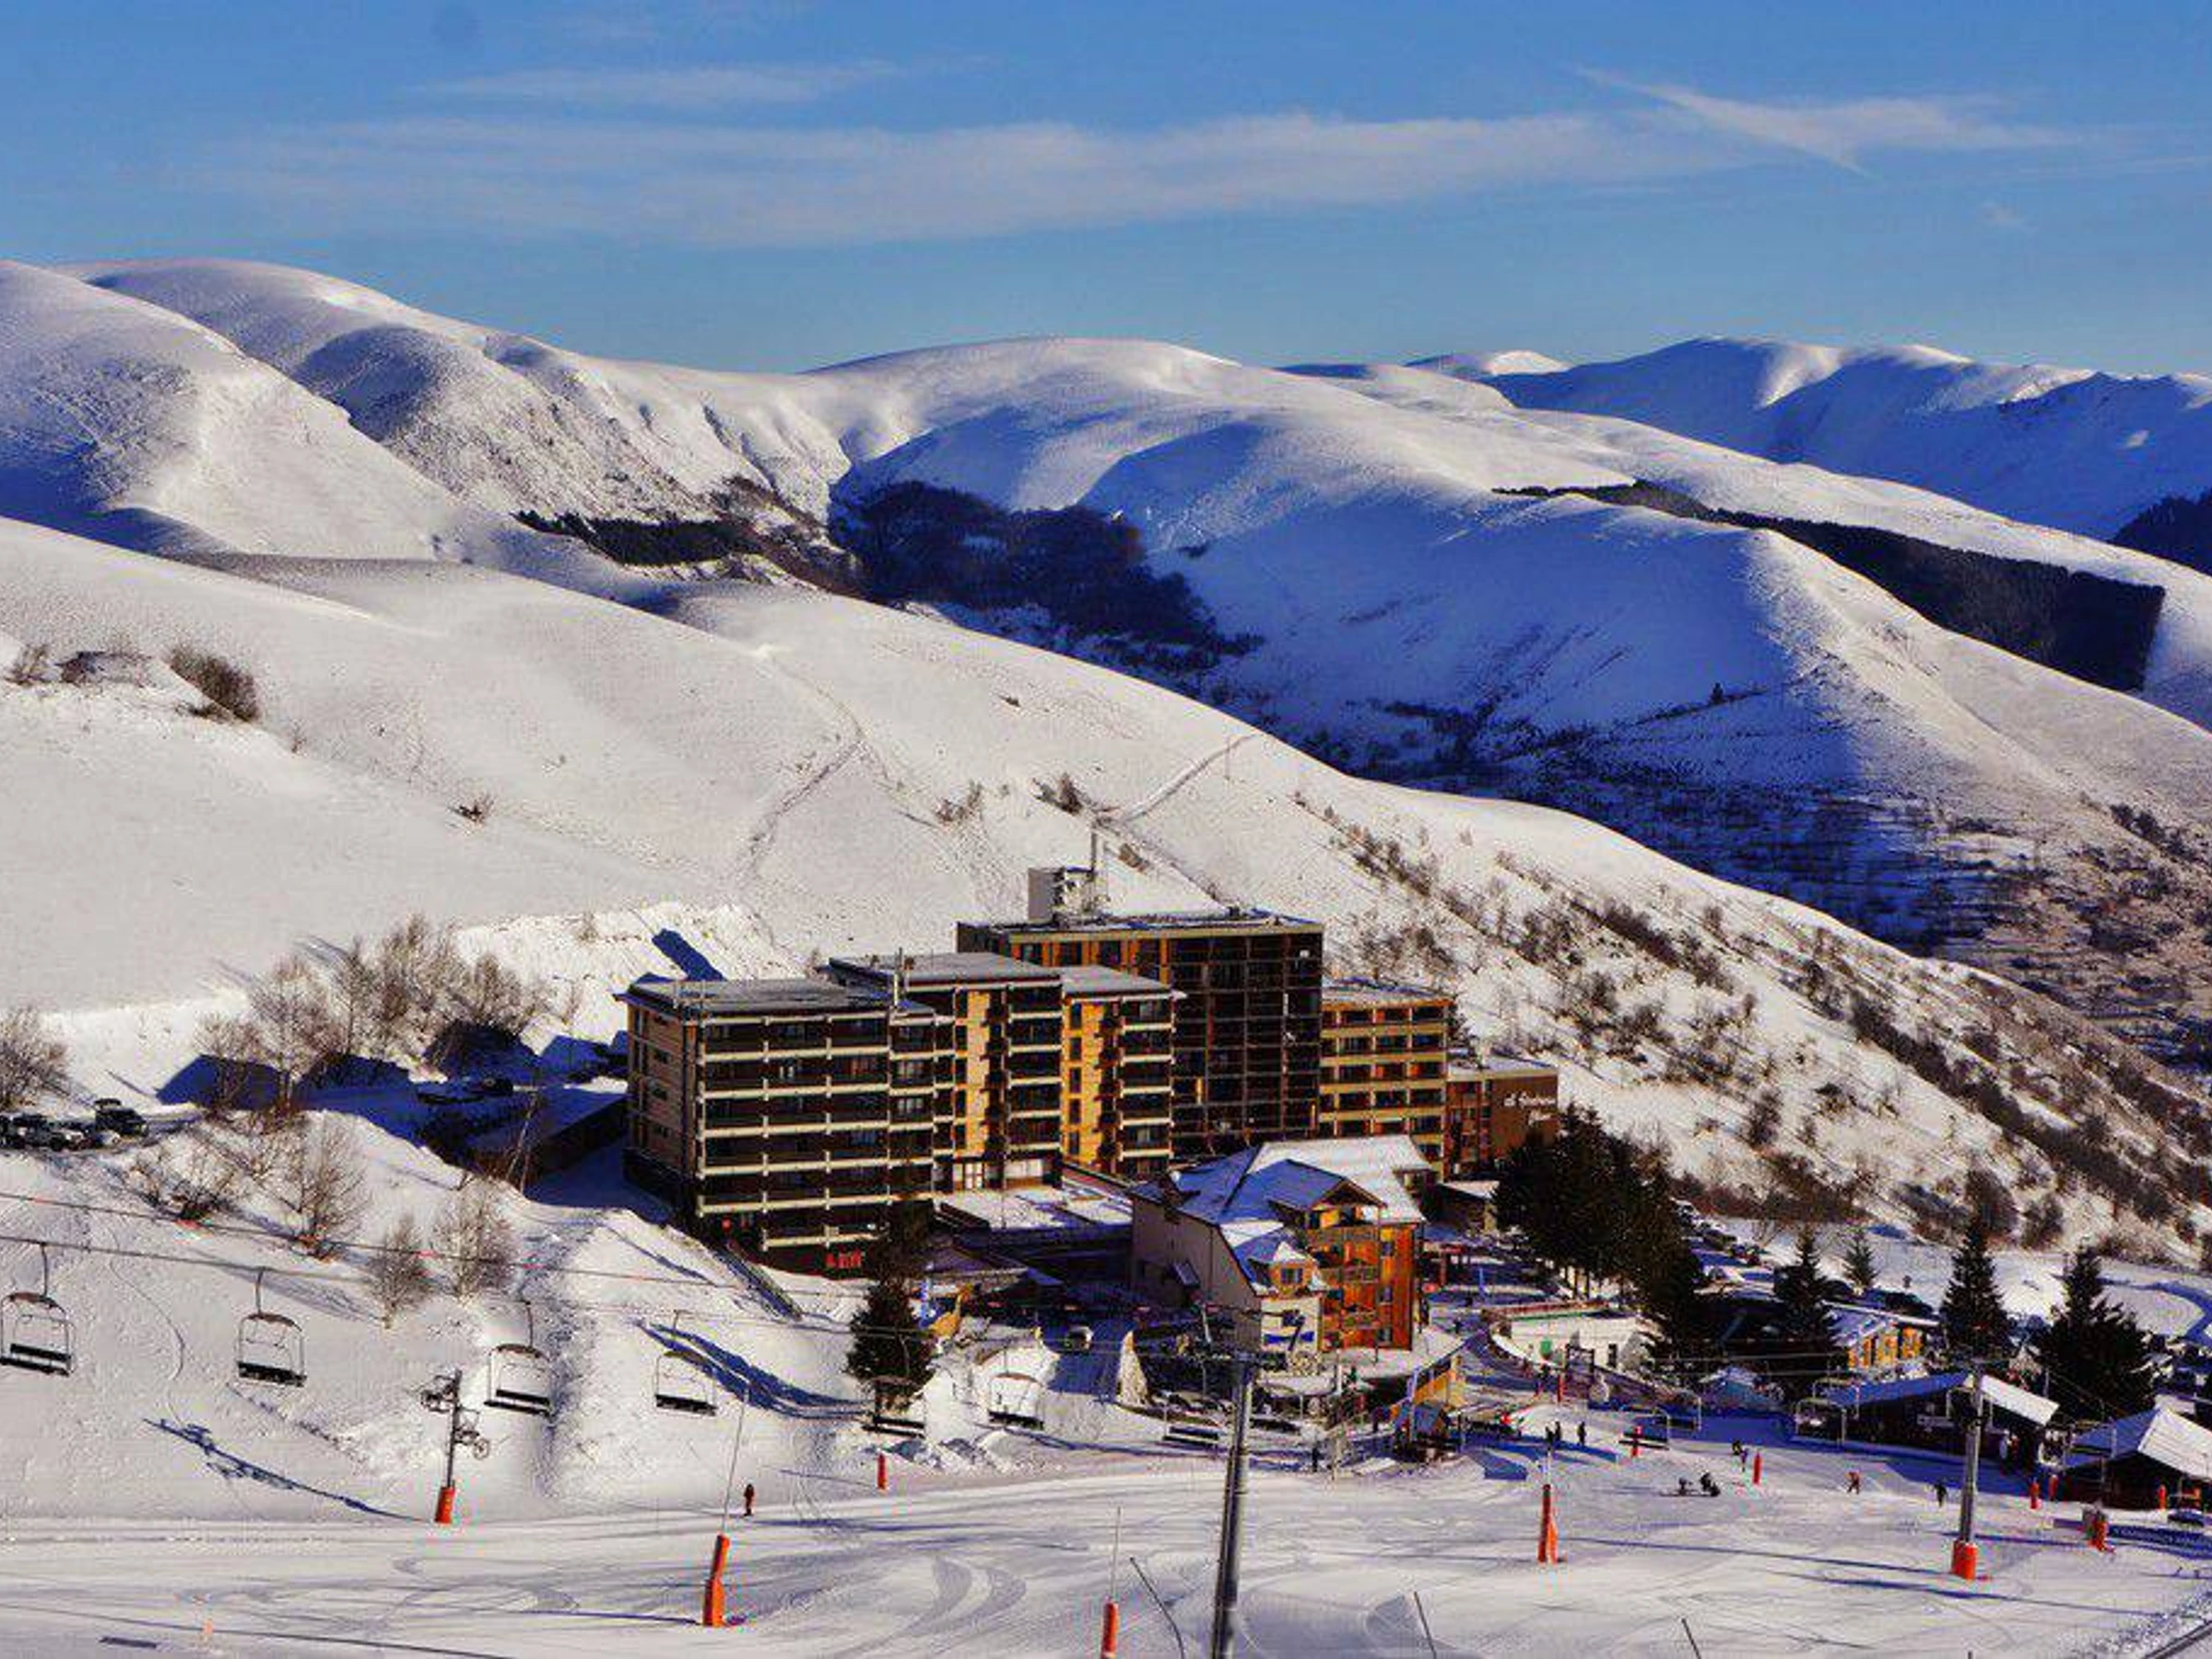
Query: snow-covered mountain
point(2069, 447)
point(1927, 720)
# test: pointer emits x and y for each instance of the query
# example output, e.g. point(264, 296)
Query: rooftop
point(1377, 994)
point(700, 997)
point(1497, 1066)
point(1237, 917)
point(1084, 981)
point(1243, 1195)
point(2161, 1435)
point(2002, 1395)
point(950, 968)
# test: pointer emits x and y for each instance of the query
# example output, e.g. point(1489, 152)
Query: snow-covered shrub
point(228, 689)
point(34, 1063)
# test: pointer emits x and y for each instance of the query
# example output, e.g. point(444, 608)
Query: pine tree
point(1858, 1262)
point(890, 1349)
point(2096, 1356)
point(1975, 1326)
point(1805, 1332)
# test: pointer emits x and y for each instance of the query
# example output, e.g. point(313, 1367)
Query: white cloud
point(706, 86)
point(1844, 131)
point(719, 183)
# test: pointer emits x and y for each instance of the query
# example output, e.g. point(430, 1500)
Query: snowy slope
point(2067, 447)
point(126, 422)
point(759, 775)
point(1378, 600)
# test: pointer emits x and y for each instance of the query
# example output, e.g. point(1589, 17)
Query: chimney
point(1065, 891)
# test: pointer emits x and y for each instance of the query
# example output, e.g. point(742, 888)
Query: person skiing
point(1943, 1493)
point(1852, 1483)
point(748, 1501)
point(1708, 1485)
point(1582, 1434)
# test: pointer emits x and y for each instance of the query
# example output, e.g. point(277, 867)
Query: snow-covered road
point(1021, 1567)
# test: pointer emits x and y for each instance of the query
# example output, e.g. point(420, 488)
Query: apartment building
point(1491, 1106)
point(1308, 1247)
point(1383, 1052)
point(788, 1116)
point(1117, 1072)
point(1001, 1125)
point(1246, 1027)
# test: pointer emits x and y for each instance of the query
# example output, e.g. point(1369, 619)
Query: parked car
point(1077, 1340)
point(117, 1119)
point(34, 1130)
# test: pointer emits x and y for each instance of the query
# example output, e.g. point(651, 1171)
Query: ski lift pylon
point(271, 1346)
point(520, 1377)
point(35, 1333)
point(680, 1381)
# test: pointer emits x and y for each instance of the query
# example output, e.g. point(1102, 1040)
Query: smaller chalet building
point(1929, 1414)
point(1308, 1246)
point(2123, 1463)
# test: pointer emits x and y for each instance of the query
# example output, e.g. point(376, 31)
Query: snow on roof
point(1072, 1208)
point(1249, 1185)
point(1465, 1067)
point(2163, 1436)
point(1156, 922)
point(1369, 993)
point(1853, 1325)
point(2004, 1396)
point(703, 997)
point(950, 968)
point(1086, 979)
point(1245, 1196)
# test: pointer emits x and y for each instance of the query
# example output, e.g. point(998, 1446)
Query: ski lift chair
point(35, 1333)
point(680, 1381)
point(520, 1377)
point(271, 1348)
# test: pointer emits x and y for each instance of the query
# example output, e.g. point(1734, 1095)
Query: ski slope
point(1793, 1566)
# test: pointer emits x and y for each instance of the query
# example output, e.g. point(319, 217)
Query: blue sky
point(775, 183)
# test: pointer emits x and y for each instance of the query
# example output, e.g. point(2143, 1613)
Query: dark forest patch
point(2095, 627)
point(2179, 527)
point(1083, 568)
point(759, 524)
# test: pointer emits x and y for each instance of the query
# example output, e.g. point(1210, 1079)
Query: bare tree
point(488, 993)
point(349, 1003)
point(412, 964)
point(475, 1238)
point(33, 1061)
point(328, 1193)
point(188, 1176)
point(286, 1026)
point(266, 1142)
point(398, 1276)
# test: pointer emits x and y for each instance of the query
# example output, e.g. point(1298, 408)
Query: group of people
point(1555, 1435)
